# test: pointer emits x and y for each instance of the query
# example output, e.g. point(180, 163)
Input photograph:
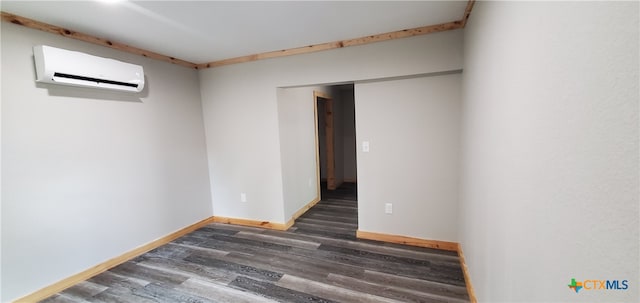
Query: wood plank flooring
point(319, 259)
point(346, 191)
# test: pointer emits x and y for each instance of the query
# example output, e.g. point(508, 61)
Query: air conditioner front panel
point(59, 66)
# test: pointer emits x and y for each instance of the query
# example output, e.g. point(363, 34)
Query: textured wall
point(551, 163)
point(412, 126)
point(298, 148)
point(241, 111)
point(90, 174)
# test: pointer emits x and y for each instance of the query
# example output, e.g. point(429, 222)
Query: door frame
point(329, 138)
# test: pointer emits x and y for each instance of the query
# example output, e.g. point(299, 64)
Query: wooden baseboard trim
point(267, 224)
point(444, 245)
point(467, 278)
point(104, 266)
point(289, 224)
point(304, 209)
point(253, 223)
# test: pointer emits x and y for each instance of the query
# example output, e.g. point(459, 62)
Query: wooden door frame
point(329, 129)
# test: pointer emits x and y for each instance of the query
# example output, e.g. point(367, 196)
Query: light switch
point(365, 146)
point(243, 197)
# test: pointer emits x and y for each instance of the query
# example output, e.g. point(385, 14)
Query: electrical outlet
point(243, 197)
point(388, 208)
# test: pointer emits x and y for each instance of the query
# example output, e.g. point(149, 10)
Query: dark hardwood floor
point(346, 191)
point(319, 259)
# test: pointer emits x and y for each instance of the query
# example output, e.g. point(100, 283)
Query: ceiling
point(206, 31)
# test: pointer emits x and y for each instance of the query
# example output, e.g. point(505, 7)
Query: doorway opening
point(336, 137)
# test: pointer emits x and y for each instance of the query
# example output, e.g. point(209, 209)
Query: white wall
point(296, 119)
point(89, 174)
point(241, 112)
point(1, 232)
point(412, 126)
point(551, 164)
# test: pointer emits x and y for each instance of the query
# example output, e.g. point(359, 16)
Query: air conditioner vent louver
point(96, 80)
point(59, 66)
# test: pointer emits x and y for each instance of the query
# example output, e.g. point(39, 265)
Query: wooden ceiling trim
point(467, 12)
point(91, 39)
point(338, 44)
point(403, 33)
point(272, 54)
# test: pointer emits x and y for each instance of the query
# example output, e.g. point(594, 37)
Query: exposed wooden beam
point(91, 39)
point(338, 44)
point(467, 12)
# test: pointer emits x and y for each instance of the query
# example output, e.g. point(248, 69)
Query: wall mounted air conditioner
point(60, 66)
